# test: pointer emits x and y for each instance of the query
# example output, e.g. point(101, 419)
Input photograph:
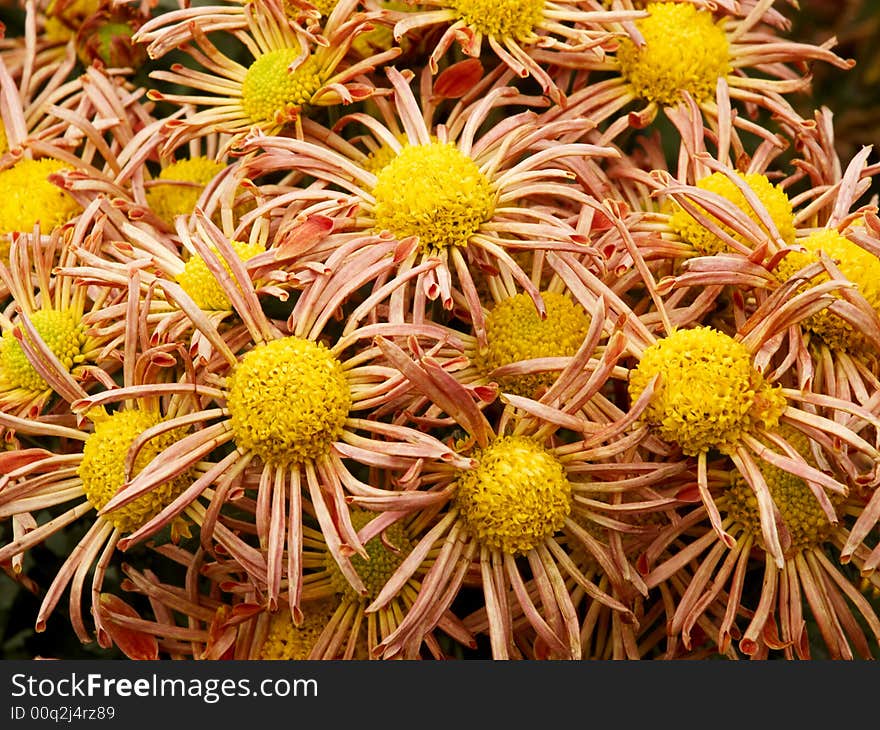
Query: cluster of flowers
point(525, 329)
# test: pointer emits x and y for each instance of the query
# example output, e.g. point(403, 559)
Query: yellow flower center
point(4, 140)
point(709, 394)
point(64, 17)
point(102, 469)
point(28, 198)
point(63, 333)
point(856, 264)
point(271, 93)
point(515, 332)
point(501, 19)
point(383, 561)
point(684, 51)
point(801, 513)
point(516, 497)
point(286, 641)
point(170, 201)
point(435, 192)
point(772, 196)
point(197, 280)
point(288, 401)
point(381, 157)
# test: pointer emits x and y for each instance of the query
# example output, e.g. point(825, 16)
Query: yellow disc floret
point(516, 19)
point(198, 281)
point(385, 558)
point(169, 201)
point(65, 17)
point(771, 196)
point(272, 93)
point(435, 192)
point(286, 641)
point(102, 469)
point(801, 513)
point(64, 334)
point(515, 332)
point(27, 198)
point(858, 265)
point(516, 497)
point(288, 401)
point(709, 394)
point(685, 50)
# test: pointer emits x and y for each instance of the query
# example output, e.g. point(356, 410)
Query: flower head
point(773, 198)
point(516, 332)
point(467, 197)
point(857, 264)
point(517, 32)
point(709, 394)
point(680, 50)
point(292, 70)
point(517, 496)
point(775, 622)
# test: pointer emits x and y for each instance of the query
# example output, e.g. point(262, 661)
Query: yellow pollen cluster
point(102, 469)
point(288, 401)
point(64, 17)
point(856, 264)
point(27, 198)
point(285, 641)
point(435, 192)
point(709, 395)
point(515, 332)
point(197, 280)
point(379, 159)
point(772, 196)
point(516, 497)
point(63, 333)
point(383, 561)
point(170, 201)
point(684, 51)
point(516, 19)
point(271, 93)
point(4, 140)
point(801, 513)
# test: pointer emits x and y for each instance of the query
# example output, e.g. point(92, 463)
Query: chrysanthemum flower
point(463, 194)
point(46, 347)
point(626, 520)
point(522, 353)
point(65, 150)
point(226, 620)
point(809, 577)
point(347, 631)
point(34, 145)
point(293, 403)
point(350, 627)
point(832, 244)
point(179, 286)
point(45, 44)
point(681, 47)
point(707, 395)
point(515, 29)
point(529, 490)
point(292, 70)
point(119, 431)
